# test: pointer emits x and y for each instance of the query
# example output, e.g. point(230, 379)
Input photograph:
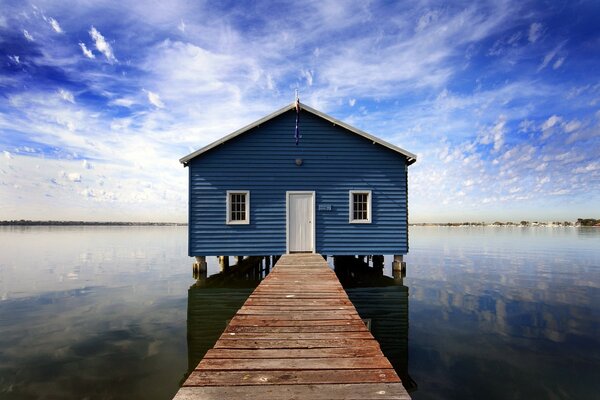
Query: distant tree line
point(26, 222)
point(587, 222)
point(580, 222)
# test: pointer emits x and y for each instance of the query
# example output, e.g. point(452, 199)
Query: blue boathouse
point(335, 191)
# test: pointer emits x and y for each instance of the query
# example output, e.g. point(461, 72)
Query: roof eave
point(406, 153)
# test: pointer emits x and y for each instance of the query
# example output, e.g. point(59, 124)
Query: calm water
point(113, 312)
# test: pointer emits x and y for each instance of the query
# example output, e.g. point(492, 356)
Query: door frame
point(287, 218)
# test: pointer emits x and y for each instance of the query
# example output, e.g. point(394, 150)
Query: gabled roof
point(410, 156)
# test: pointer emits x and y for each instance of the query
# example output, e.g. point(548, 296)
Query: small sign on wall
point(324, 207)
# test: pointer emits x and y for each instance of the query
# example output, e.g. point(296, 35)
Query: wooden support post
point(238, 259)
point(267, 264)
point(398, 277)
point(224, 263)
point(200, 277)
point(200, 263)
point(398, 264)
point(199, 266)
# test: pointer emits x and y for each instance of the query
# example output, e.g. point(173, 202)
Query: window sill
point(237, 223)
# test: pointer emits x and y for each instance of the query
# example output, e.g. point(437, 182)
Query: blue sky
point(500, 100)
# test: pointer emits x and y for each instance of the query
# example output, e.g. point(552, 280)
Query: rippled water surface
point(114, 312)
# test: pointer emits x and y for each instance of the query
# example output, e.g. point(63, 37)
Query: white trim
point(351, 207)
point(287, 218)
point(228, 221)
point(411, 158)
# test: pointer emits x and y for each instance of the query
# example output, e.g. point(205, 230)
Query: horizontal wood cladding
point(263, 161)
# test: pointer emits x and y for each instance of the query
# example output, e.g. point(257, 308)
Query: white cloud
point(547, 58)
point(7, 154)
point(541, 167)
point(572, 126)
point(55, 25)
point(308, 75)
point(74, 177)
point(123, 102)
point(535, 31)
point(120, 124)
point(27, 35)
point(270, 82)
point(495, 135)
point(66, 95)
point(181, 26)
point(590, 167)
point(154, 98)
point(351, 102)
point(427, 19)
point(550, 56)
point(526, 125)
point(102, 45)
point(15, 59)
point(504, 45)
point(558, 63)
point(86, 52)
point(401, 61)
point(551, 122)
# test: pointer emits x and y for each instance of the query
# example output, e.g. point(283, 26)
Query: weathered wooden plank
point(284, 291)
point(297, 335)
point(294, 353)
point(304, 315)
point(278, 377)
point(291, 308)
point(357, 326)
point(253, 320)
point(285, 301)
point(364, 391)
point(294, 309)
point(294, 364)
point(241, 343)
point(298, 294)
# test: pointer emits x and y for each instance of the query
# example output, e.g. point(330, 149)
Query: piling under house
point(298, 180)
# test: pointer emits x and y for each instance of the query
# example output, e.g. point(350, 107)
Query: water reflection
point(213, 300)
point(495, 313)
point(384, 301)
point(514, 312)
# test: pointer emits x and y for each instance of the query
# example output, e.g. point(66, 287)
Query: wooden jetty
point(298, 336)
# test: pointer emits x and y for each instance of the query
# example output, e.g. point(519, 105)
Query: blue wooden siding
point(262, 161)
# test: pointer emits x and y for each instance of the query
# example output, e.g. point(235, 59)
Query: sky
point(500, 100)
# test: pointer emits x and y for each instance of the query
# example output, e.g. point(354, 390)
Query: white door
point(300, 221)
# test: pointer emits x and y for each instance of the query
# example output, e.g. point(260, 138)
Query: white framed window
point(238, 207)
point(360, 207)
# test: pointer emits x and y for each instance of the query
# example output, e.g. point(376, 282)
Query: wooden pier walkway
point(297, 336)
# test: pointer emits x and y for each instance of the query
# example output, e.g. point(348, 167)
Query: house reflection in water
point(214, 300)
point(384, 301)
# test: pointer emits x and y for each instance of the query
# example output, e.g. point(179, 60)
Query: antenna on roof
point(297, 135)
